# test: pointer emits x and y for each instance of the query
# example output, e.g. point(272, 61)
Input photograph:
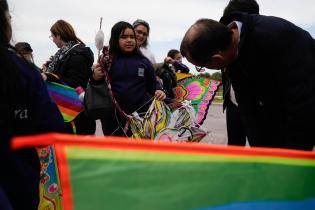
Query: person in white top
point(142, 29)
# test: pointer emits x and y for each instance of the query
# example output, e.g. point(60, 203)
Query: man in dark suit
point(278, 111)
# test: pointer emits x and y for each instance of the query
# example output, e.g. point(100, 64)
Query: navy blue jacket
point(26, 110)
point(274, 81)
point(133, 81)
point(33, 110)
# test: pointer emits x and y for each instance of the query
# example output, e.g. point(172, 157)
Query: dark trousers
point(114, 124)
point(235, 127)
point(83, 124)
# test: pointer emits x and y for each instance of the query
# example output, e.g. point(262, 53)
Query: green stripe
point(60, 86)
point(66, 117)
point(104, 154)
point(170, 185)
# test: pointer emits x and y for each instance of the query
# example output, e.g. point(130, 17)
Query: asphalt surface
point(215, 123)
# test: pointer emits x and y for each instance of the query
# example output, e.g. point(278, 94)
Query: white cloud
point(300, 12)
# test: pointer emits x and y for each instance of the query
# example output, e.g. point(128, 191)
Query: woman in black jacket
point(71, 65)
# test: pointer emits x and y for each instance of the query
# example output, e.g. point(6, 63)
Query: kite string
point(128, 117)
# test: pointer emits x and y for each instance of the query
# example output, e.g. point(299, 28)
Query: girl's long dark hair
point(116, 31)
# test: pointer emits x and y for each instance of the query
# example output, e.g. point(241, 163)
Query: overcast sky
point(169, 20)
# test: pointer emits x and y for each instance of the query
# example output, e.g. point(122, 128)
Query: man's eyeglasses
point(200, 68)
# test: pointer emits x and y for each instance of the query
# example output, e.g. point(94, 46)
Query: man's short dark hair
point(172, 53)
point(249, 6)
point(211, 37)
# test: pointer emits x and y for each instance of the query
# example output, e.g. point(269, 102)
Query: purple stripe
point(59, 97)
point(63, 91)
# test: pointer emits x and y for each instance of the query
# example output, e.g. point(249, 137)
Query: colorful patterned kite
point(200, 91)
point(50, 191)
point(112, 173)
point(180, 76)
point(156, 118)
point(182, 126)
point(66, 99)
point(160, 124)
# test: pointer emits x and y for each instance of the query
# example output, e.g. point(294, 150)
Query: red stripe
point(64, 175)
point(69, 112)
point(120, 143)
point(70, 106)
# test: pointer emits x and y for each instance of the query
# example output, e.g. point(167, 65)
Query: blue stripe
point(267, 205)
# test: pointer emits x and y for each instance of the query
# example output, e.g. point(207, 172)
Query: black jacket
point(75, 68)
point(274, 81)
point(168, 76)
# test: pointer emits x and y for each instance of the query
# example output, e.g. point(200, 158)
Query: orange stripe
point(64, 176)
point(119, 143)
point(67, 111)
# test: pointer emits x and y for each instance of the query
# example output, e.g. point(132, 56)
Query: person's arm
point(50, 77)
point(174, 79)
point(181, 67)
point(77, 73)
point(98, 76)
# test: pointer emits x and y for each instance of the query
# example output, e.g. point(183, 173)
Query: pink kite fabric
point(200, 91)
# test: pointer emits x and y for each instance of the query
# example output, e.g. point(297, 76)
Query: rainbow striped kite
point(115, 173)
point(66, 99)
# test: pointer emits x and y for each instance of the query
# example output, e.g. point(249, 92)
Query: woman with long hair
point(71, 65)
point(142, 29)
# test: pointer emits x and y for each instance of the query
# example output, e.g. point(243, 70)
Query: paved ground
point(215, 123)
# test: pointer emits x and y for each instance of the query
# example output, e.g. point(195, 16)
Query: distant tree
point(205, 75)
point(217, 76)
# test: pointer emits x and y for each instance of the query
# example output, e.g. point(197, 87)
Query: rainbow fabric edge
point(147, 175)
point(67, 100)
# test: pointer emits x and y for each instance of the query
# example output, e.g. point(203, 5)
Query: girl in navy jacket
point(132, 77)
